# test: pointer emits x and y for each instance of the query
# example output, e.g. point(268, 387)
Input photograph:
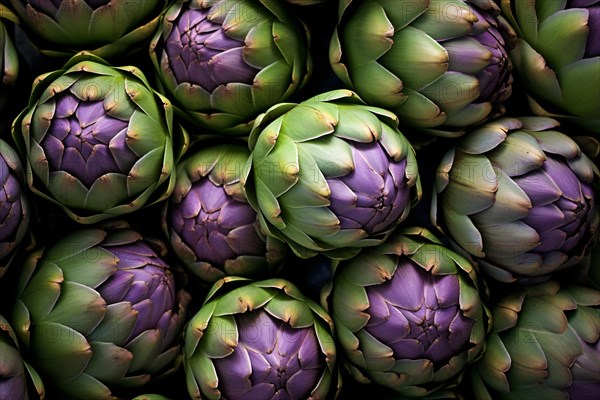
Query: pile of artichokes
point(299, 199)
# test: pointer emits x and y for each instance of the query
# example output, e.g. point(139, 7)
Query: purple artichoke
point(99, 141)
point(260, 340)
point(557, 57)
point(545, 343)
point(98, 312)
point(408, 314)
point(518, 196)
point(441, 66)
point(330, 174)
point(225, 62)
point(212, 228)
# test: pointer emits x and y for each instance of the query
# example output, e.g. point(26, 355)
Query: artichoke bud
point(408, 314)
point(545, 339)
point(212, 228)
point(441, 66)
point(557, 58)
point(532, 204)
point(108, 302)
point(261, 340)
point(225, 62)
point(330, 174)
point(99, 141)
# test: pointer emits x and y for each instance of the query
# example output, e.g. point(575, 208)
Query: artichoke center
point(209, 221)
point(374, 194)
point(201, 53)
point(562, 205)
point(418, 315)
point(145, 281)
point(271, 356)
point(85, 142)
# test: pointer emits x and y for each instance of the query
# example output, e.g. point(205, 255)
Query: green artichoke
point(98, 312)
point(408, 314)
point(519, 196)
point(260, 340)
point(106, 28)
point(15, 215)
point(98, 140)
point(212, 228)
point(330, 174)
point(440, 65)
point(18, 379)
point(225, 61)
point(557, 57)
point(544, 344)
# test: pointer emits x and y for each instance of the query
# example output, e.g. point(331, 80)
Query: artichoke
point(557, 57)
point(440, 65)
point(107, 28)
point(260, 340)
point(544, 344)
point(211, 226)
point(98, 312)
point(330, 174)
point(518, 195)
point(408, 314)
point(17, 378)
point(14, 205)
point(99, 142)
point(225, 61)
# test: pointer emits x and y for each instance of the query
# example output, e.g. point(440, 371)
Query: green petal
point(495, 363)
point(533, 69)
point(67, 189)
point(418, 110)
point(234, 98)
point(349, 303)
point(59, 350)
point(315, 221)
point(563, 36)
point(367, 35)
point(220, 338)
point(357, 124)
point(145, 349)
point(462, 230)
point(471, 177)
point(378, 85)
point(309, 121)
point(260, 50)
point(511, 204)
point(117, 324)
point(446, 19)
point(519, 154)
point(78, 307)
point(415, 58)
point(294, 312)
point(109, 363)
point(581, 89)
point(45, 284)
